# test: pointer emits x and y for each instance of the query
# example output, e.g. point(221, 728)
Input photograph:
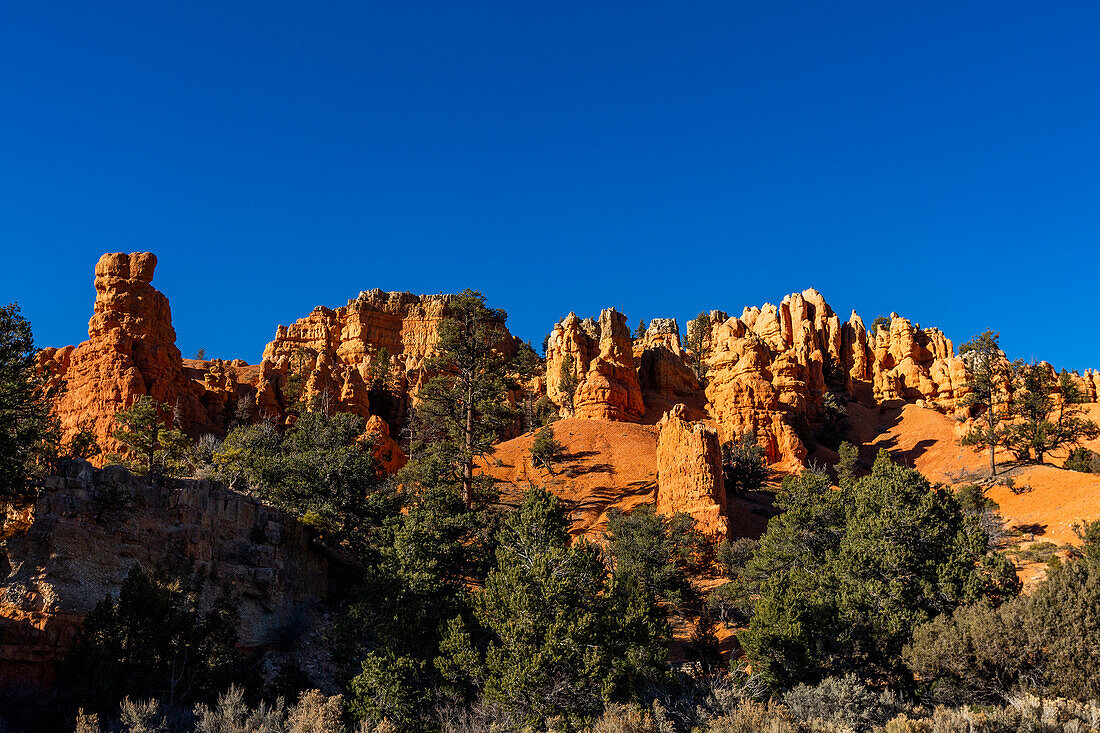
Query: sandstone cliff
point(76, 543)
point(767, 371)
point(607, 384)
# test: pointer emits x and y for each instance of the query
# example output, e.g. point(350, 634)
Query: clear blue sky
point(937, 159)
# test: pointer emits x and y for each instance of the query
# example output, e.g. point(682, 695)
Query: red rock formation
point(662, 369)
point(387, 453)
point(689, 472)
point(741, 395)
point(607, 381)
point(340, 351)
point(574, 338)
point(770, 369)
point(131, 351)
point(912, 365)
point(610, 388)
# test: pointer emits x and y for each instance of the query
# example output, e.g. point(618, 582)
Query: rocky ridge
point(767, 371)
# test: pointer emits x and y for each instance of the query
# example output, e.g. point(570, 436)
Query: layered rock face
point(387, 336)
point(909, 364)
point(331, 355)
point(65, 553)
point(689, 472)
point(774, 364)
point(607, 384)
point(768, 366)
point(131, 351)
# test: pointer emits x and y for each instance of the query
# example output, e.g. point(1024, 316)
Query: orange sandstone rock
point(340, 350)
point(689, 472)
point(603, 366)
point(131, 351)
point(387, 453)
point(662, 368)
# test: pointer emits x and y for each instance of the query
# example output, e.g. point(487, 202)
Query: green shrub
point(843, 576)
point(1083, 460)
point(1048, 642)
point(743, 466)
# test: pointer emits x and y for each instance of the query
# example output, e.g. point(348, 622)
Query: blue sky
point(937, 159)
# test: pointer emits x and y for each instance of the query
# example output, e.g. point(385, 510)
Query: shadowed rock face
point(65, 553)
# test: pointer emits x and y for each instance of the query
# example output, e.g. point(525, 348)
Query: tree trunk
point(468, 457)
point(992, 442)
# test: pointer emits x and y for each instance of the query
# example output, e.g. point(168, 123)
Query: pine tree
point(546, 449)
point(698, 330)
point(989, 374)
point(29, 434)
point(462, 410)
point(567, 382)
point(554, 634)
point(1043, 424)
point(151, 445)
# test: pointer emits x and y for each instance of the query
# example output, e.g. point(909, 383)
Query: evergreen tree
point(1083, 460)
point(1046, 642)
point(553, 634)
point(639, 332)
point(462, 409)
point(989, 374)
point(1043, 425)
point(321, 470)
point(659, 551)
point(545, 449)
point(698, 331)
point(843, 576)
point(522, 370)
point(567, 381)
point(29, 434)
point(153, 641)
point(743, 465)
point(151, 445)
point(396, 618)
point(847, 464)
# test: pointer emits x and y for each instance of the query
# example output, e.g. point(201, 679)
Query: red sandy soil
point(607, 464)
point(1054, 498)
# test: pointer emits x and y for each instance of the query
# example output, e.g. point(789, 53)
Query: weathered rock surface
point(387, 336)
point(912, 365)
point(603, 366)
point(767, 371)
point(662, 366)
point(568, 339)
point(689, 472)
point(65, 553)
point(131, 351)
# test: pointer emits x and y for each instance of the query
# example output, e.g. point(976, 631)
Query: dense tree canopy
point(28, 433)
point(843, 575)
